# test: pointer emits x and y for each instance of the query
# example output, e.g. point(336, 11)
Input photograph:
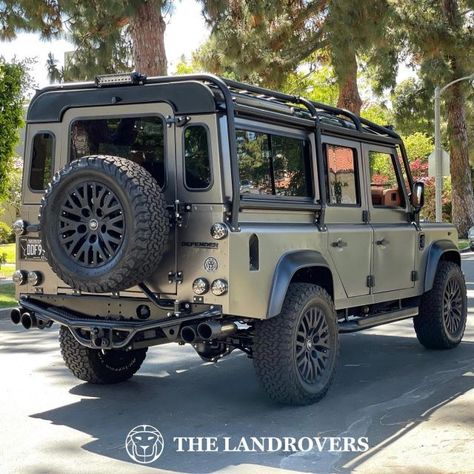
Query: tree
point(109, 35)
point(280, 36)
point(440, 37)
point(12, 76)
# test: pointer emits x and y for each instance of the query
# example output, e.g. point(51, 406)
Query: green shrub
point(6, 234)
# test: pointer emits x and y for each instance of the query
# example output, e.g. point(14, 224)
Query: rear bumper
point(102, 333)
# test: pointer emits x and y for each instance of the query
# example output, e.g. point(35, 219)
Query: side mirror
point(418, 196)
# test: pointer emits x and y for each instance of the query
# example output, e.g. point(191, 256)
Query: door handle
point(382, 241)
point(339, 243)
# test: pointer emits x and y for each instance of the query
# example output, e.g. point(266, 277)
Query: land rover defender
point(203, 211)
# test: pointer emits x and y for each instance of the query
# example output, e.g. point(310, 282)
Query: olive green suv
point(199, 210)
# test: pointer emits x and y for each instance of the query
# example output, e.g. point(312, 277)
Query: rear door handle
point(339, 243)
point(382, 241)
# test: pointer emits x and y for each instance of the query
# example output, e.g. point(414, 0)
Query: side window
point(273, 165)
point(41, 161)
point(343, 187)
point(385, 187)
point(140, 139)
point(196, 157)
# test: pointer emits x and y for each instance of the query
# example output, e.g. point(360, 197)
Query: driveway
point(415, 406)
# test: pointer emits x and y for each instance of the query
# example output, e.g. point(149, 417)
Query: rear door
point(142, 133)
point(350, 237)
point(394, 234)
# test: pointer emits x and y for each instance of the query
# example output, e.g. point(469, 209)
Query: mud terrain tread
point(85, 365)
point(429, 326)
point(150, 224)
point(273, 347)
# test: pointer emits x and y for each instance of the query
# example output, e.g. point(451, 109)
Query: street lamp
point(438, 150)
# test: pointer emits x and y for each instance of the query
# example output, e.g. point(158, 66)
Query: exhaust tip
point(188, 334)
point(15, 316)
point(205, 331)
point(28, 320)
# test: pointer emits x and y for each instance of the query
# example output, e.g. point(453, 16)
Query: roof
point(194, 93)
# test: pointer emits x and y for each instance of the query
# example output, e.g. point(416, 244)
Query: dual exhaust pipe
point(28, 320)
point(207, 331)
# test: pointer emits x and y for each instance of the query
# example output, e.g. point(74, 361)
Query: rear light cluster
point(218, 287)
point(21, 277)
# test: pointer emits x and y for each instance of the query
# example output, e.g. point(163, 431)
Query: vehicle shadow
point(385, 386)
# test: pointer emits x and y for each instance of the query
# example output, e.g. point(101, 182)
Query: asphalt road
point(415, 406)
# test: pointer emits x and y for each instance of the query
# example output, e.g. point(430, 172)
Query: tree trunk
point(349, 97)
point(462, 194)
point(147, 30)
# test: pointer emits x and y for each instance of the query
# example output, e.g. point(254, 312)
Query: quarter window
point(385, 187)
point(139, 139)
point(273, 165)
point(196, 157)
point(342, 175)
point(42, 161)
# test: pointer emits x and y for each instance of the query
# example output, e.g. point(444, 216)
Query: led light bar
point(133, 78)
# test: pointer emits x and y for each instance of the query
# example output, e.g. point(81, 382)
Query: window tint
point(385, 186)
point(273, 164)
point(196, 157)
point(343, 188)
point(140, 139)
point(42, 161)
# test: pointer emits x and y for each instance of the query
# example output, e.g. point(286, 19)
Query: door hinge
point(414, 275)
point(175, 277)
point(371, 281)
point(179, 121)
point(365, 217)
point(176, 212)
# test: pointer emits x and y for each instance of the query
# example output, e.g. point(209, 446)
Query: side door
point(349, 235)
point(394, 235)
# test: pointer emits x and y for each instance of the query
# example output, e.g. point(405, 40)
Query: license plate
point(31, 249)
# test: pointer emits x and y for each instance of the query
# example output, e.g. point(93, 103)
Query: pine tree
point(263, 41)
point(109, 35)
point(440, 37)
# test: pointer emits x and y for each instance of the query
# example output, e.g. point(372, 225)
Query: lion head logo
point(144, 444)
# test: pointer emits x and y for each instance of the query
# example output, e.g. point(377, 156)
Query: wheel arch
point(439, 250)
point(307, 266)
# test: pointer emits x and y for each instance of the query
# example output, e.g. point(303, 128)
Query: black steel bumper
point(101, 333)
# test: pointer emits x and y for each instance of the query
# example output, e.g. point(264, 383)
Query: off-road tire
point(275, 347)
point(145, 223)
point(95, 366)
point(431, 325)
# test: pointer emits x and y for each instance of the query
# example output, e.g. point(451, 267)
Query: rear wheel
point(97, 366)
point(295, 353)
point(443, 310)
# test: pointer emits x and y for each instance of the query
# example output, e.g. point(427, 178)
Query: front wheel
point(443, 310)
point(295, 353)
point(97, 366)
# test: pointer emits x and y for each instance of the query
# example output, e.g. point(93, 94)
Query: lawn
point(7, 295)
point(463, 243)
point(7, 269)
point(9, 250)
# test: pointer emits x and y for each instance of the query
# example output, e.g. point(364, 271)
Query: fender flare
point(435, 253)
point(285, 269)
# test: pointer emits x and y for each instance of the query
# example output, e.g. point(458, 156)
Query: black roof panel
point(49, 104)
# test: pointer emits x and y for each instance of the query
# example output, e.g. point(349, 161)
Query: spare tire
point(104, 224)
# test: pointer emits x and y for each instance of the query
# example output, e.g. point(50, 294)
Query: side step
point(377, 320)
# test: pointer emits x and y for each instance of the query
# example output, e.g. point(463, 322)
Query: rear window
point(139, 139)
point(41, 161)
